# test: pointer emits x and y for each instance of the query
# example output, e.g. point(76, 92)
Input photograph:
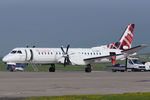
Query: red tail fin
point(125, 41)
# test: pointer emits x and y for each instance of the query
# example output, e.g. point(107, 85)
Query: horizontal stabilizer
point(134, 49)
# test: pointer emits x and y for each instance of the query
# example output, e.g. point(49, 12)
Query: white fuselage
point(74, 56)
point(56, 56)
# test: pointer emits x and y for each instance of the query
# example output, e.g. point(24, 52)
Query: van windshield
point(136, 61)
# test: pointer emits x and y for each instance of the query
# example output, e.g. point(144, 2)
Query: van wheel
point(88, 68)
point(113, 70)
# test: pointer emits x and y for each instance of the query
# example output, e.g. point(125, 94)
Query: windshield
point(136, 61)
point(19, 52)
point(13, 52)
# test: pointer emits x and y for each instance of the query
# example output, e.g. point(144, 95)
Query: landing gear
point(11, 68)
point(88, 68)
point(52, 68)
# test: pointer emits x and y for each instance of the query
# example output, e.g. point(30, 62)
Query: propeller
point(65, 55)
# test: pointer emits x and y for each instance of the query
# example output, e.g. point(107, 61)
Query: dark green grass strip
point(45, 68)
point(126, 96)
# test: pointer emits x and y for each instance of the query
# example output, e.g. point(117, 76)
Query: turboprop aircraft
point(76, 56)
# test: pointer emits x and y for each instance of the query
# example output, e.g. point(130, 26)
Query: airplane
point(76, 56)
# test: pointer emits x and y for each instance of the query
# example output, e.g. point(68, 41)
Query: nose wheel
point(52, 68)
point(88, 68)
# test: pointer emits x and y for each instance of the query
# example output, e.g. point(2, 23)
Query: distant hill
point(148, 54)
point(145, 56)
point(1, 58)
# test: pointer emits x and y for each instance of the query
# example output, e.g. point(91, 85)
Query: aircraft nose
point(4, 59)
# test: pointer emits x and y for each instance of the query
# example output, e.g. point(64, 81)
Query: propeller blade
point(66, 55)
point(62, 49)
point(67, 48)
point(65, 61)
point(68, 60)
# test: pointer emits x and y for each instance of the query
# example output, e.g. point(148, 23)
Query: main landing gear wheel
point(52, 68)
point(88, 68)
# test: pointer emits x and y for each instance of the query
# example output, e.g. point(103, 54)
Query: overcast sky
point(82, 23)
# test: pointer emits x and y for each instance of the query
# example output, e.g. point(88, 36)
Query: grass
point(125, 96)
point(45, 68)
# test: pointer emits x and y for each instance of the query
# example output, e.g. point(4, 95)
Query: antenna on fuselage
point(27, 46)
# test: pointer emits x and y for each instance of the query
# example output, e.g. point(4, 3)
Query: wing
point(129, 51)
point(134, 49)
point(101, 57)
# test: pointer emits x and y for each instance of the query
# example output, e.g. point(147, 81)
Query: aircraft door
point(29, 54)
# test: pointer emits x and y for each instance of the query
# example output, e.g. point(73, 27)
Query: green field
point(126, 96)
point(45, 68)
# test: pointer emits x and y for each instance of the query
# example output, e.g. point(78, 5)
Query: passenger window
point(19, 52)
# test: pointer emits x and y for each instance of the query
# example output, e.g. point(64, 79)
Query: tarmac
point(29, 84)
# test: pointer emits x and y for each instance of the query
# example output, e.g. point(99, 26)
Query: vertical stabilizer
point(126, 39)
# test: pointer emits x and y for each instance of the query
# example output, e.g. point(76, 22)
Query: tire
point(11, 70)
point(113, 70)
point(122, 70)
point(51, 69)
point(87, 70)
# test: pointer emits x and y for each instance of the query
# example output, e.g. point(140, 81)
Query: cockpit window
point(19, 52)
point(13, 52)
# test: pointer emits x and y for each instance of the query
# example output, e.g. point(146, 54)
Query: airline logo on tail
point(125, 41)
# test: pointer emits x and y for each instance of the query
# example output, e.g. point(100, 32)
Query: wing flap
point(101, 57)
